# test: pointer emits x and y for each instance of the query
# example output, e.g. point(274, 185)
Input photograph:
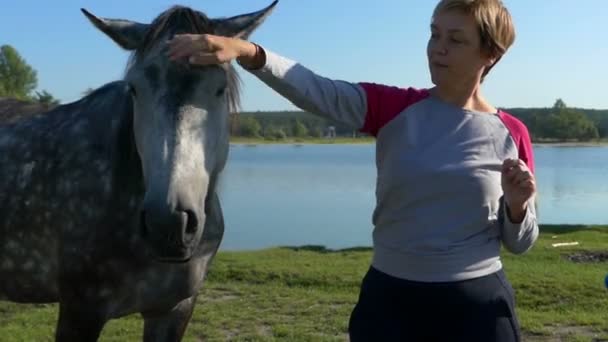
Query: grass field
point(306, 294)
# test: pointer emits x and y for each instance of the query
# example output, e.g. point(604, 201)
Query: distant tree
point(317, 131)
point(299, 129)
point(564, 123)
point(46, 99)
point(274, 133)
point(559, 104)
point(17, 78)
point(534, 123)
point(250, 127)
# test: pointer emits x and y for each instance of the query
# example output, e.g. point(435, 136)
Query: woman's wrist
point(251, 55)
point(517, 213)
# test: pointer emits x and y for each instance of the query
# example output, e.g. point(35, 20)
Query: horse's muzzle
point(172, 233)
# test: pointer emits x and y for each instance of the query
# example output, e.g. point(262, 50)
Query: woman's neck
point(469, 98)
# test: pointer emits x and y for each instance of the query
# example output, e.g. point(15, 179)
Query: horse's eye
point(132, 90)
point(220, 92)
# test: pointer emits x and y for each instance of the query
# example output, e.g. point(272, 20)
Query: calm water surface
point(324, 194)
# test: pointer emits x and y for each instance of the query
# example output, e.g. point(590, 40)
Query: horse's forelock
point(177, 20)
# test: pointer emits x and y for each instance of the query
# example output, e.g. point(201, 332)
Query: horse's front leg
point(170, 325)
point(79, 321)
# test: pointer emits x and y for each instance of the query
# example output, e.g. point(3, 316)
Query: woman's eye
point(457, 41)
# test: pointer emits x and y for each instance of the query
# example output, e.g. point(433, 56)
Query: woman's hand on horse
point(519, 185)
point(206, 49)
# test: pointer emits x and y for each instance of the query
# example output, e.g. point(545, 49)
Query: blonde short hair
point(496, 29)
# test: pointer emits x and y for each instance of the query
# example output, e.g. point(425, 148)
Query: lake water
point(276, 195)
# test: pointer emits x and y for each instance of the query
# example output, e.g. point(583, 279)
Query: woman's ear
point(491, 61)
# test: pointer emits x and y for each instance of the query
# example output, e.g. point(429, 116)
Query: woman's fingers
point(516, 172)
point(204, 58)
point(508, 164)
point(201, 49)
point(523, 176)
point(529, 184)
point(181, 50)
point(187, 45)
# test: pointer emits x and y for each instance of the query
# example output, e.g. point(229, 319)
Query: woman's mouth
point(439, 65)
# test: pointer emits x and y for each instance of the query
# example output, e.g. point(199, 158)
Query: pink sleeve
point(520, 134)
point(384, 103)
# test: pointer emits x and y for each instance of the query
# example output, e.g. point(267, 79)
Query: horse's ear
point(128, 34)
point(241, 26)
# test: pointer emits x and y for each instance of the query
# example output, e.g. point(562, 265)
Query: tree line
point(563, 123)
point(551, 124)
point(279, 125)
point(559, 122)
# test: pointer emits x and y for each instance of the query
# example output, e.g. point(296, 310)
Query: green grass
point(306, 294)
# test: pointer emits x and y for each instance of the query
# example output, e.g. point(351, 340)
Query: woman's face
point(454, 50)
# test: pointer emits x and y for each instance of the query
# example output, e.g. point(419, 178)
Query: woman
point(455, 177)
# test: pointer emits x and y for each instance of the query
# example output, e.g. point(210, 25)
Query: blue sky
point(560, 52)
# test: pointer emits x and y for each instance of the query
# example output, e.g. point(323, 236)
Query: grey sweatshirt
point(439, 213)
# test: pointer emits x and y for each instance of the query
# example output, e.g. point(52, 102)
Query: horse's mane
point(179, 20)
point(115, 135)
point(13, 110)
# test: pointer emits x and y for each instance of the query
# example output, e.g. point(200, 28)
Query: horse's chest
point(158, 288)
point(28, 269)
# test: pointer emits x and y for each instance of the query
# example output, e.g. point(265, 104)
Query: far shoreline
point(369, 140)
point(571, 144)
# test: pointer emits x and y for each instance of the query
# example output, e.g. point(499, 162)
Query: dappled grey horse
point(108, 205)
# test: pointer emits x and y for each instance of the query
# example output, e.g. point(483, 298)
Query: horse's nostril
point(175, 228)
point(143, 229)
point(192, 223)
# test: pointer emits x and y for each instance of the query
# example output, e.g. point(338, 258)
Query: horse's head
point(180, 122)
